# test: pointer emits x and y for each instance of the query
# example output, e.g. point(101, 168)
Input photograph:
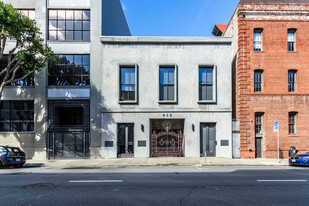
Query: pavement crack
point(188, 195)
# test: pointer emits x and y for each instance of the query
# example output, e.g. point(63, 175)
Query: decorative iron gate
point(167, 144)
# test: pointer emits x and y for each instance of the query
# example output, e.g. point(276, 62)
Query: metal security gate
point(167, 144)
point(62, 145)
point(68, 129)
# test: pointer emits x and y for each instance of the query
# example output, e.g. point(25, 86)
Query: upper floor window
point(69, 25)
point(257, 38)
point(17, 116)
point(292, 81)
point(258, 124)
point(258, 81)
point(291, 40)
point(127, 83)
point(167, 84)
point(70, 70)
point(28, 81)
point(292, 123)
point(30, 13)
point(206, 83)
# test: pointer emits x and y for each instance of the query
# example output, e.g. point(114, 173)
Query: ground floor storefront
point(175, 134)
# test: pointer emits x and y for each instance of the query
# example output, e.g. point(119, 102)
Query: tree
point(29, 53)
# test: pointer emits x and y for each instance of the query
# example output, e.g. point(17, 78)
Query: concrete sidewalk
point(163, 161)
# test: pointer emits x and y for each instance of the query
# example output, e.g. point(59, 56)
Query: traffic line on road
point(282, 180)
point(95, 181)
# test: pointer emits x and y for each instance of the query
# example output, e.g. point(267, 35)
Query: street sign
point(276, 126)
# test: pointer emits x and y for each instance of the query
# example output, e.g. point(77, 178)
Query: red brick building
point(271, 75)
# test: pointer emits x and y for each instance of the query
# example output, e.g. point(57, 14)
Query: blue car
point(299, 159)
point(11, 156)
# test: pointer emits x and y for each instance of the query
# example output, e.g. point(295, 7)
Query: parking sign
point(276, 126)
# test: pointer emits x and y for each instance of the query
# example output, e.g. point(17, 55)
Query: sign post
point(276, 129)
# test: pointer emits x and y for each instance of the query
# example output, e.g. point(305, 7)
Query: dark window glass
point(291, 39)
point(167, 84)
point(28, 81)
point(69, 25)
point(205, 84)
point(258, 124)
point(258, 81)
point(292, 81)
point(70, 70)
point(292, 123)
point(16, 116)
point(127, 84)
point(69, 116)
point(257, 38)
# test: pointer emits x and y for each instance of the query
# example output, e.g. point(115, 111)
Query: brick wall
point(275, 101)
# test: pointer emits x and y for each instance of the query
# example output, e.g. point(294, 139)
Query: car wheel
point(0, 165)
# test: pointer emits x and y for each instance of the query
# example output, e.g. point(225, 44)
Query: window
point(258, 124)
point(291, 40)
point(17, 116)
point(127, 84)
point(292, 81)
point(70, 70)
point(69, 25)
point(30, 13)
point(28, 81)
point(292, 123)
point(167, 84)
point(258, 81)
point(205, 83)
point(257, 39)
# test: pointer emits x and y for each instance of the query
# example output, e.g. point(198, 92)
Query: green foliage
point(30, 52)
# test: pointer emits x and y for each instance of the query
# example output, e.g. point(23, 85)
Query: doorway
point(68, 129)
point(208, 141)
point(125, 141)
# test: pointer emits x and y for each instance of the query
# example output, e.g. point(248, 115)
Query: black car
point(11, 156)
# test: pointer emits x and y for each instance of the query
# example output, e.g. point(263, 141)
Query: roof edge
point(165, 40)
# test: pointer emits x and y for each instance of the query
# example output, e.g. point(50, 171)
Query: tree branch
point(7, 67)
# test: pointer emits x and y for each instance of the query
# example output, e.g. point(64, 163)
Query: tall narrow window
point(69, 25)
point(167, 84)
point(205, 84)
point(259, 124)
point(292, 123)
point(291, 40)
point(257, 39)
point(258, 81)
point(127, 84)
point(292, 81)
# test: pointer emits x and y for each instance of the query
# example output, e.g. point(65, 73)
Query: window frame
point(11, 120)
point(258, 30)
point(261, 82)
point(30, 78)
point(168, 66)
point(294, 42)
point(214, 84)
point(292, 82)
point(123, 66)
point(294, 124)
point(75, 68)
point(65, 30)
point(260, 114)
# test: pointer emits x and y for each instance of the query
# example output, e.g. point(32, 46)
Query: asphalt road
point(155, 186)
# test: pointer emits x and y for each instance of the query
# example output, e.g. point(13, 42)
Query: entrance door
point(258, 147)
point(68, 129)
point(125, 140)
point(208, 140)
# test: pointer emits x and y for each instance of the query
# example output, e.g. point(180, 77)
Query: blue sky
point(176, 17)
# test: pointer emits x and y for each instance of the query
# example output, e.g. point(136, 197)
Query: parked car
point(299, 159)
point(11, 156)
